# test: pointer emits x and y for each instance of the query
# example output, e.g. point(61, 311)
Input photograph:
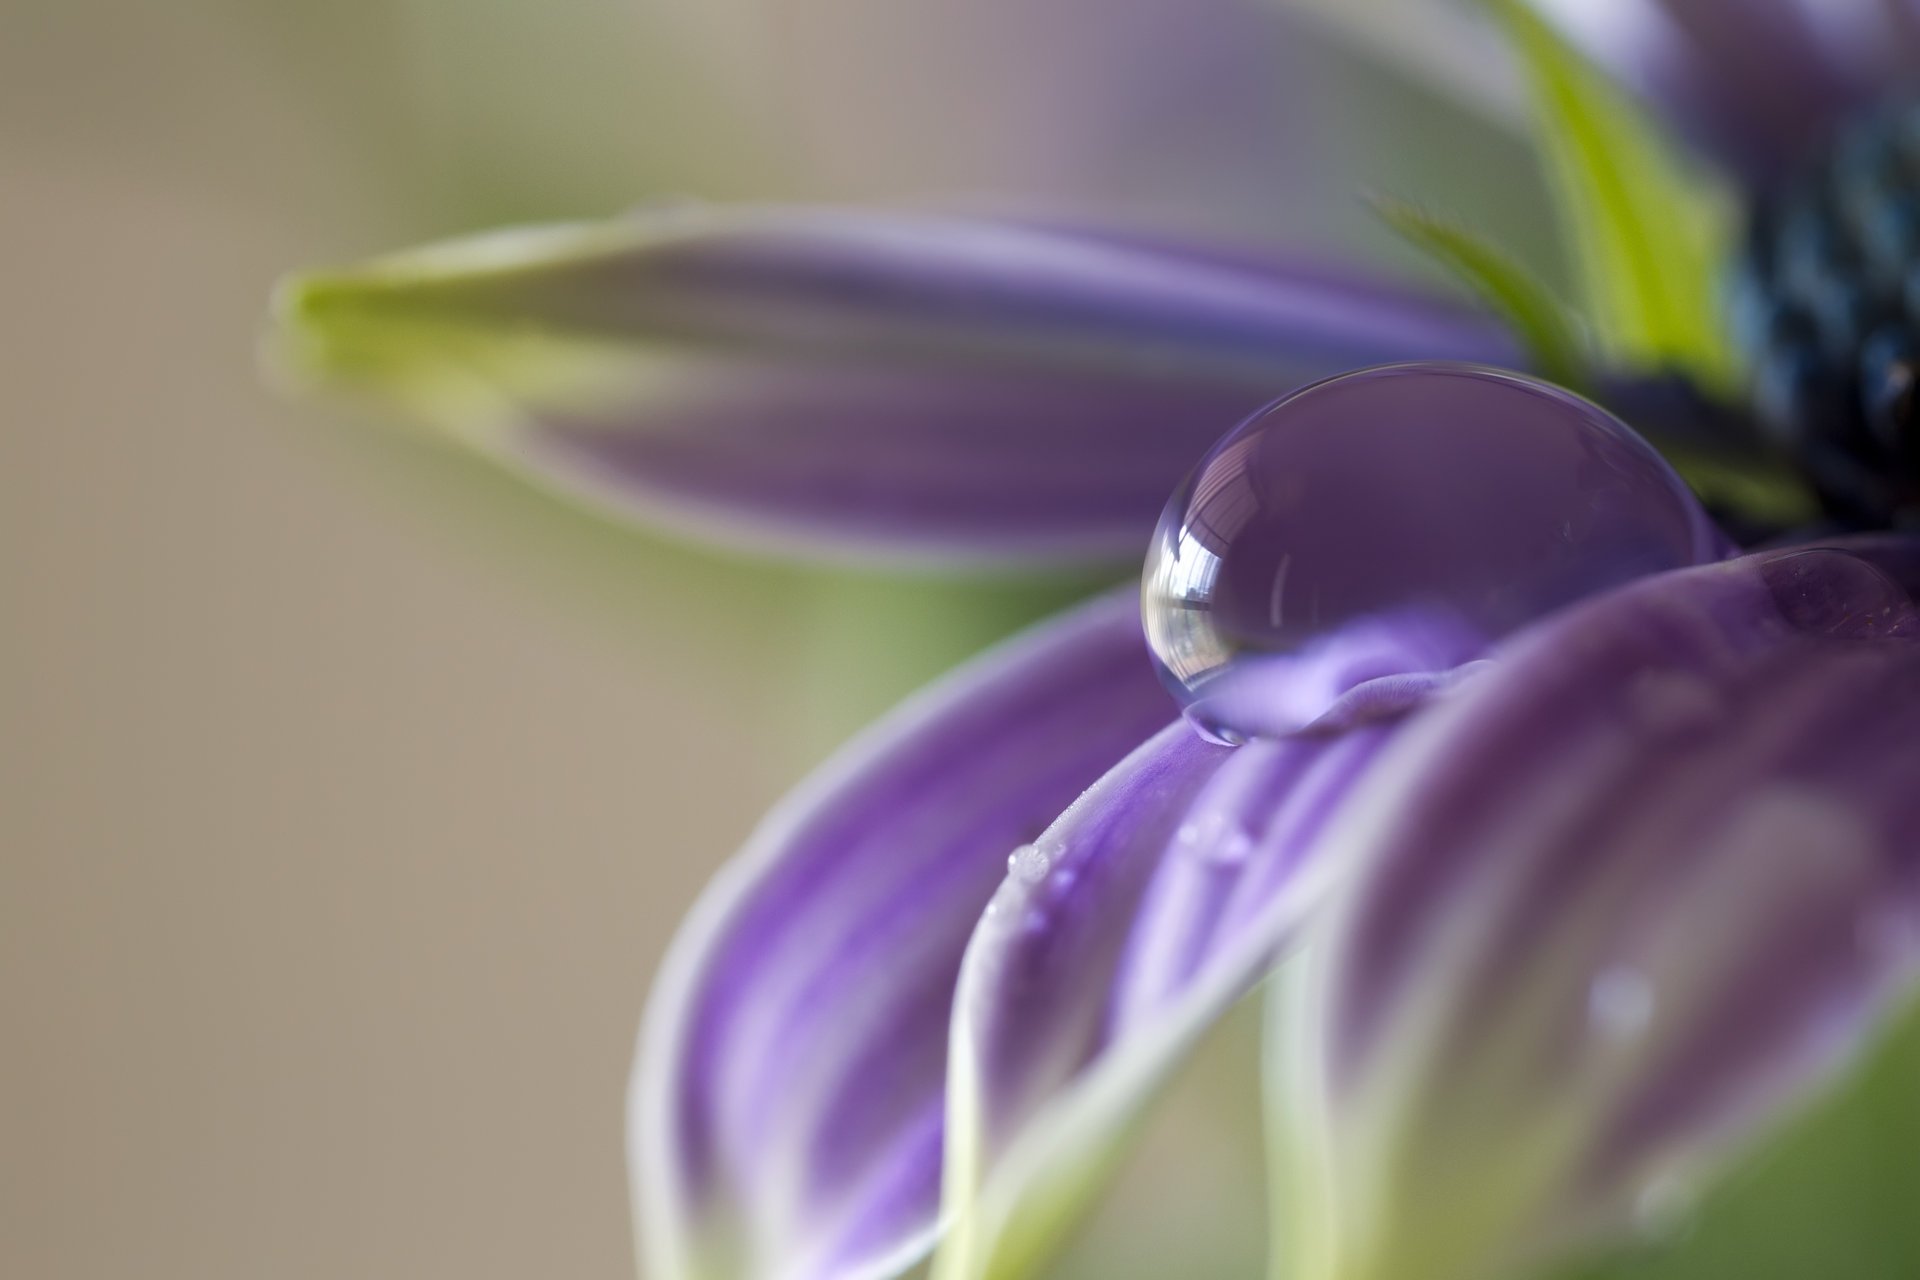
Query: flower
point(1562, 940)
point(1560, 943)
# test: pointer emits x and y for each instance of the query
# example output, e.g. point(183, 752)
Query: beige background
point(347, 794)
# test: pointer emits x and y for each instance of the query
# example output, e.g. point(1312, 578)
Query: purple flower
point(1546, 943)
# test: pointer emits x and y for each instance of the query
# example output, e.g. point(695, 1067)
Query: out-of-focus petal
point(1618, 909)
point(786, 1115)
point(1237, 118)
point(891, 386)
point(1158, 900)
point(1762, 82)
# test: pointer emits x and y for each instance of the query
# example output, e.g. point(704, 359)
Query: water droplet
point(1840, 594)
point(1235, 848)
point(1344, 549)
point(1620, 1003)
point(1028, 864)
point(1214, 838)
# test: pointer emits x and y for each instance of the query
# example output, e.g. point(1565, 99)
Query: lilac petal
point(1215, 117)
point(1155, 903)
point(895, 386)
point(1762, 82)
point(1621, 907)
point(787, 1105)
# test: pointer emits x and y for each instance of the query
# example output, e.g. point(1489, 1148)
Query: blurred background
point(349, 793)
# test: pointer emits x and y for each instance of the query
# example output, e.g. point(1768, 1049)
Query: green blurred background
point(348, 792)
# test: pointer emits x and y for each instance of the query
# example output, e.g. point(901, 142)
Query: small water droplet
point(1234, 848)
point(1028, 864)
point(1620, 1003)
point(1389, 525)
point(1215, 838)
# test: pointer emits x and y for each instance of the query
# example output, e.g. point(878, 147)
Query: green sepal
point(1649, 233)
point(1538, 319)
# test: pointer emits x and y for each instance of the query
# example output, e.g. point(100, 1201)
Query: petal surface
point(786, 1113)
point(1251, 119)
point(1164, 895)
point(1761, 82)
point(1619, 909)
point(890, 386)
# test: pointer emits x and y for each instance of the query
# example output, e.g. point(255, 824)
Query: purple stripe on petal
point(1166, 893)
point(1621, 904)
point(1239, 848)
point(1034, 995)
point(902, 386)
point(786, 1102)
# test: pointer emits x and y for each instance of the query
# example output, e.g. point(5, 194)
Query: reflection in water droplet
point(1348, 546)
point(1235, 848)
point(1028, 864)
point(1620, 1003)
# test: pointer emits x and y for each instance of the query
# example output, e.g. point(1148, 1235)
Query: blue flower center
point(1826, 302)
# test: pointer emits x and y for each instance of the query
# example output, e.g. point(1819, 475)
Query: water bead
point(1359, 544)
point(1029, 864)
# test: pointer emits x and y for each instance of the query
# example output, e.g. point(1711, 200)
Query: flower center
point(1826, 302)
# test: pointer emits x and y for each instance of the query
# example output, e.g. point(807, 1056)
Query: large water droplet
point(1343, 552)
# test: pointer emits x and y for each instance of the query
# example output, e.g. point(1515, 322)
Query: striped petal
point(786, 1114)
point(887, 386)
point(1157, 901)
point(1620, 909)
point(1763, 82)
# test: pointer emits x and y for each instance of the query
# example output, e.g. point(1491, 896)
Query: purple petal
point(787, 1106)
point(1620, 906)
point(1158, 900)
point(894, 386)
point(1763, 82)
point(1216, 117)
